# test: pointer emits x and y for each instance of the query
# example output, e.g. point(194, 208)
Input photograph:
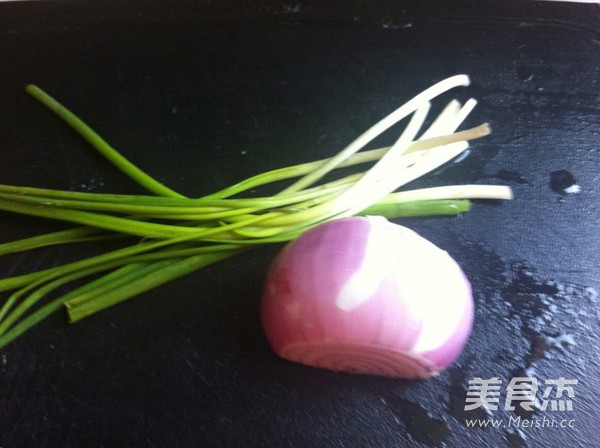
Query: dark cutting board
point(202, 96)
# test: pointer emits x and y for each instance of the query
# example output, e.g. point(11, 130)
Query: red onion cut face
point(364, 295)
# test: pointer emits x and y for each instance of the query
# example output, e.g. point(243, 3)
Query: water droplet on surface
point(462, 156)
point(562, 341)
point(563, 182)
point(592, 294)
point(420, 424)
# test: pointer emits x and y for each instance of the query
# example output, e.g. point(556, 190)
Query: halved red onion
point(365, 295)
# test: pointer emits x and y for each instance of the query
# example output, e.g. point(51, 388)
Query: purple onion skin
point(364, 295)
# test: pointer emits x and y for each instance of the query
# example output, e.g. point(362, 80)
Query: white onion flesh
point(364, 295)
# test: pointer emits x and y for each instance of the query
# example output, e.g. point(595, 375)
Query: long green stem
point(434, 207)
point(116, 278)
point(132, 268)
point(80, 234)
point(100, 144)
point(137, 286)
point(199, 235)
point(141, 284)
point(143, 281)
point(105, 262)
point(114, 223)
point(187, 209)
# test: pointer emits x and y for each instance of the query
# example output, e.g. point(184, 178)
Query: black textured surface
point(207, 97)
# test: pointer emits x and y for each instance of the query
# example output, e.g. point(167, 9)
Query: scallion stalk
point(220, 225)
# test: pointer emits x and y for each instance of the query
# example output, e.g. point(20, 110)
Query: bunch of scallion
point(171, 235)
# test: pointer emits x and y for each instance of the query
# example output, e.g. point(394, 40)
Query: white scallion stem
point(432, 159)
point(445, 122)
point(444, 147)
point(380, 127)
point(380, 179)
point(464, 112)
point(451, 192)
